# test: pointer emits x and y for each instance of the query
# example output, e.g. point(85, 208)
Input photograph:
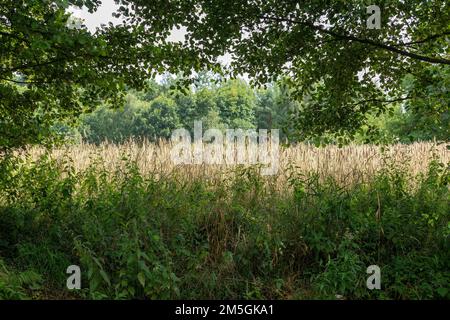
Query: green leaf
point(105, 277)
point(442, 292)
point(141, 279)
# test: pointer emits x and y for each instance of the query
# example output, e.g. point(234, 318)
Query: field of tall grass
point(353, 163)
point(140, 227)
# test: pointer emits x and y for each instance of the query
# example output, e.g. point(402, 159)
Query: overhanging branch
point(370, 42)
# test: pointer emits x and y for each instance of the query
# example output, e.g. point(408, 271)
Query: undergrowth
point(167, 237)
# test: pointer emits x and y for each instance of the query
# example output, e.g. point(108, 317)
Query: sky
point(103, 15)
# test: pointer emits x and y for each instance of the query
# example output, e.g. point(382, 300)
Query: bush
point(165, 237)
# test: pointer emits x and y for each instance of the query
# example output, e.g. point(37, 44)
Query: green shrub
point(163, 237)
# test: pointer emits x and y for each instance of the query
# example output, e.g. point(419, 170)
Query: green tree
point(52, 71)
point(236, 104)
point(426, 117)
point(160, 118)
point(324, 47)
point(273, 109)
point(114, 125)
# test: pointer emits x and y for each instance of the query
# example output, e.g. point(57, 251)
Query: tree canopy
point(340, 69)
point(53, 69)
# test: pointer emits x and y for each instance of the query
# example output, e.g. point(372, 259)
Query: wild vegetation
point(141, 228)
point(86, 177)
point(154, 112)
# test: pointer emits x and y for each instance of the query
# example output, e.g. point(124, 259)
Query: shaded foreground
point(168, 234)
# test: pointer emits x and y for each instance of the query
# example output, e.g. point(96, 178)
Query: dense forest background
point(156, 111)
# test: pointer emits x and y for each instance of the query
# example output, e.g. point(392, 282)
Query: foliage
point(340, 73)
point(427, 117)
point(233, 104)
point(236, 104)
point(53, 70)
point(155, 236)
point(339, 69)
point(154, 114)
point(14, 285)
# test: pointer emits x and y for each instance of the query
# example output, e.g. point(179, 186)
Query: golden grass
point(347, 164)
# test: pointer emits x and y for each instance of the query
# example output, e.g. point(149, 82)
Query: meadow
point(348, 164)
point(140, 227)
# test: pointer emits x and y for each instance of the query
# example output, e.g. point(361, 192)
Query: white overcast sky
point(103, 15)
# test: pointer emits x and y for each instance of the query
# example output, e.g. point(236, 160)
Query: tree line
point(153, 113)
point(52, 72)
